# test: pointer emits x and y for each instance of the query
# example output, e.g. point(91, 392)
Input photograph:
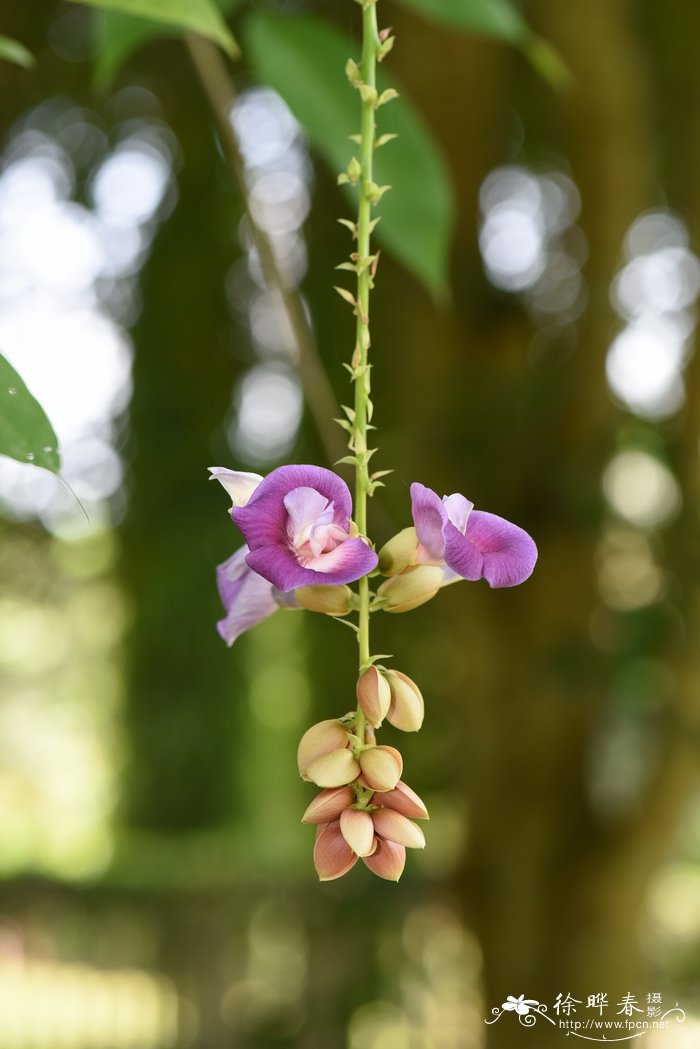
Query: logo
point(598, 1020)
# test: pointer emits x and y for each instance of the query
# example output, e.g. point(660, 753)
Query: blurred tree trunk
point(181, 706)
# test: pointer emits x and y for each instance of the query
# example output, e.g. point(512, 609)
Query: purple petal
point(430, 518)
point(349, 561)
point(493, 549)
point(239, 485)
point(246, 596)
point(461, 555)
point(264, 520)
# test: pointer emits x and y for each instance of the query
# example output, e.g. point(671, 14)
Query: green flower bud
point(331, 600)
point(399, 552)
point(412, 588)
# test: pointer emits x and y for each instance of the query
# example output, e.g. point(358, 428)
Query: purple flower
point(247, 597)
point(468, 542)
point(297, 526)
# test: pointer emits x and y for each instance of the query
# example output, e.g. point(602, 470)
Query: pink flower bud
point(334, 769)
point(388, 860)
point(333, 857)
point(319, 739)
point(412, 588)
point(332, 600)
point(395, 827)
point(404, 800)
point(357, 828)
point(374, 696)
point(399, 552)
point(407, 708)
point(328, 805)
point(381, 767)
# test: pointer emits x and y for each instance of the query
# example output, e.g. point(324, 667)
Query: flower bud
point(395, 827)
point(412, 588)
point(399, 552)
point(328, 805)
point(334, 769)
point(381, 767)
point(333, 857)
point(357, 828)
point(406, 708)
point(319, 739)
point(374, 696)
point(387, 861)
point(333, 600)
point(404, 800)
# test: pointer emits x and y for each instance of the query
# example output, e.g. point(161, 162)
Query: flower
point(520, 1005)
point(468, 542)
point(297, 526)
point(247, 597)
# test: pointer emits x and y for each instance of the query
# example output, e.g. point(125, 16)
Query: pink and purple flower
point(297, 525)
point(469, 543)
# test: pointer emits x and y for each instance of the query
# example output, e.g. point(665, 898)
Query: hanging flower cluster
point(302, 549)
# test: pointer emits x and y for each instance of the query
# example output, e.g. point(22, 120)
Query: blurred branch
point(216, 84)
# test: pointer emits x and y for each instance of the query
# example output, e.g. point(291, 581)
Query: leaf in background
point(12, 51)
point(303, 59)
point(198, 16)
point(501, 20)
point(25, 431)
point(497, 18)
point(118, 35)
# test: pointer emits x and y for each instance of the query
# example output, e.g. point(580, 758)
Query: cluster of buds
point(365, 811)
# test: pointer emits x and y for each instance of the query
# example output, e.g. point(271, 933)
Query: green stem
point(370, 45)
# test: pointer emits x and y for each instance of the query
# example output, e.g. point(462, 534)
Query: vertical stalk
point(370, 45)
point(218, 88)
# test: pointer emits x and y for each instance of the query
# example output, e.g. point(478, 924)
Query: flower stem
point(370, 45)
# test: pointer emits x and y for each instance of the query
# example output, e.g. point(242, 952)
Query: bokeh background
point(157, 887)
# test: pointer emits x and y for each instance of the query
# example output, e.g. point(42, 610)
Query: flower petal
point(458, 510)
point(333, 857)
point(430, 517)
point(349, 561)
point(245, 595)
point(239, 485)
point(493, 549)
point(264, 519)
point(461, 555)
point(387, 861)
point(305, 506)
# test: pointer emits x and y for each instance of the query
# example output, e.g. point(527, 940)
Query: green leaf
point(304, 59)
point(197, 16)
point(25, 431)
point(118, 35)
point(547, 61)
point(500, 20)
point(12, 51)
point(495, 18)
